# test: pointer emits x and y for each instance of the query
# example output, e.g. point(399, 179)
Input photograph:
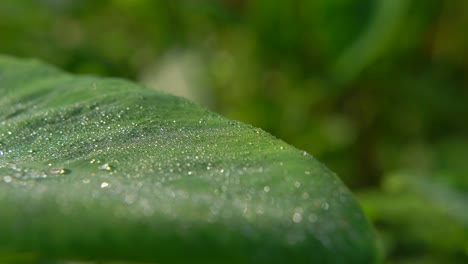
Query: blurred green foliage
point(376, 89)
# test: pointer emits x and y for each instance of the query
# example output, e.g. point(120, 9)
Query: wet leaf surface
point(104, 169)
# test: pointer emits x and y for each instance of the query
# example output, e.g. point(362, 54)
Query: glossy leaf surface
point(104, 169)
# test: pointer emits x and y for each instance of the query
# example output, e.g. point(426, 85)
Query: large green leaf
point(104, 169)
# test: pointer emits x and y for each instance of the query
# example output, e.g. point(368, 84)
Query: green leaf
point(105, 170)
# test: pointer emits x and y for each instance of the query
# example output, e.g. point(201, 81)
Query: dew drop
point(312, 218)
point(105, 167)
point(58, 171)
point(325, 206)
point(7, 179)
point(297, 217)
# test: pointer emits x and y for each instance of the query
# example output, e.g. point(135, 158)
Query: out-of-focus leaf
point(387, 20)
point(415, 226)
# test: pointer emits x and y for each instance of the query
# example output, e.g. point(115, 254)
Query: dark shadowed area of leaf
point(97, 169)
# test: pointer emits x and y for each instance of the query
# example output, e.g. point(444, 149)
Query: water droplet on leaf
point(297, 217)
point(297, 184)
point(7, 179)
point(325, 206)
point(105, 167)
point(59, 171)
point(312, 218)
